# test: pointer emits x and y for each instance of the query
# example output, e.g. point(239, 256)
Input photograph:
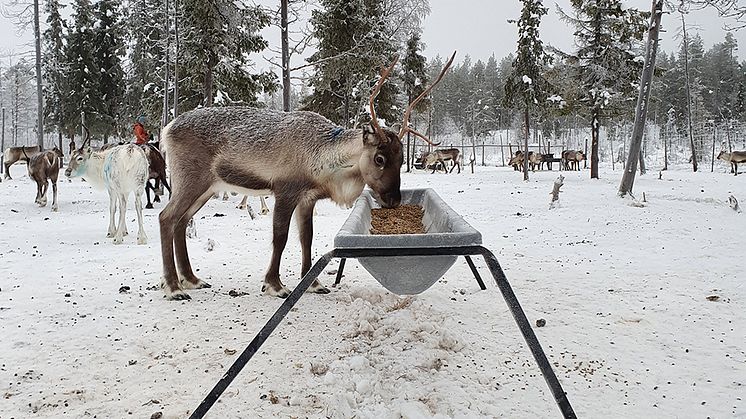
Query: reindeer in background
point(42, 168)
point(120, 170)
point(16, 154)
point(300, 157)
point(733, 158)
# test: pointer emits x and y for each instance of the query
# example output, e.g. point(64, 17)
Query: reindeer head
point(722, 155)
point(382, 158)
point(79, 157)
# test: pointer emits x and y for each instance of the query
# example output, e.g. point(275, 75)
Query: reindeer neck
point(94, 169)
point(338, 167)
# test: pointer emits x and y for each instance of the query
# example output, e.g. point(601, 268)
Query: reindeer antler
point(86, 137)
point(405, 125)
point(384, 75)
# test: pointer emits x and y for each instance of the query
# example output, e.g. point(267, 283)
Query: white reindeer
point(120, 170)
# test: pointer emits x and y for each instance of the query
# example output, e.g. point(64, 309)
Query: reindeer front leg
point(284, 207)
point(304, 217)
point(122, 228)
point(54, 195)
point(112, 214)
point(142, 238)
point(265, 209)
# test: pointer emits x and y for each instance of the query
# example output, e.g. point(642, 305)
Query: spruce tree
point(108, 53)
point(55, 71)
point(414, 77)
point(219, 35)
point(83, 72)
point(352, 47)
point(607, 36)
point(527, 87)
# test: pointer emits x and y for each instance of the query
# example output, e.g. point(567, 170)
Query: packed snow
point(643, 303)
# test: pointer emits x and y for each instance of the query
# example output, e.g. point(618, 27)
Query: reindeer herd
point(213, 150)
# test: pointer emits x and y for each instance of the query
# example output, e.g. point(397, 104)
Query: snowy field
point(629, 328)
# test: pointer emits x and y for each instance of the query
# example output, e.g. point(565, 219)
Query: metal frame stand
point(494, 266)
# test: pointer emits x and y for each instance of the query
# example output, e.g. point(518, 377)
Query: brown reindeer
point(733, 158)
point(517, 161)
point(42, 168)
point(571, 159)
point(442, 156)
point(300, 157)
point(156, 171)
point(16, 154)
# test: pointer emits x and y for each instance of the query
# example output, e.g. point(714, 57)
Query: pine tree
point(606, 35)
point(527, 87)
point(352, 46)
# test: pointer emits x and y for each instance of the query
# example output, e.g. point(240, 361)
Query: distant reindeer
point(245, 205)
point(571, 159)
point(300, 157)
point(733, 158)
point(121, 170)
point(442, 156)
point(16, 154)
point(535, 160)
point(42, 168)
point(517, 161)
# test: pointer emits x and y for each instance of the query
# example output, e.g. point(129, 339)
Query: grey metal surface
point(408, 275)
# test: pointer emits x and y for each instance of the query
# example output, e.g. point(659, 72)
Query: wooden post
point(714, 137)
point(2, 146)
point(502, 150)
point(483, 152)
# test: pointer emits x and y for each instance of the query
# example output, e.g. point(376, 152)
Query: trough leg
point(528, 334)
point(261, 337)
point(339, 271)
point(475, 272)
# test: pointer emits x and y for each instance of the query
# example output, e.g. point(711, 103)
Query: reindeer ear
point(369, 136)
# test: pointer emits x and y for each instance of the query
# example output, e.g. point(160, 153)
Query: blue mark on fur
point(334, 133)
point(107, 168)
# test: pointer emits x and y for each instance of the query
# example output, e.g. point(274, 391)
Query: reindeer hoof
point(283, 292)
point(118, 240)
point(317, 288)
point(142, 240)
point(241, 207)
point(266, 211)
point(199, 284)
point(156, 198)
point(150, 206)
point(54, 208)
point(178, 295)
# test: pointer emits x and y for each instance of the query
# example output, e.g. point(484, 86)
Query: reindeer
point(156, 171)
point(733, 158)
point(300, 157)
point(535, 160)
point(42, 168)
point(245, 205)
point(571, 159)
point(121, 170)
point(442, 156)
point(16, 154)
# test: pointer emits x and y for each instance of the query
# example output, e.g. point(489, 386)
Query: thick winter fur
point(156, 171)
point(442, 156)
point(42, 168)
point(300, 157)
point(16, 154)
point(733, 158)
point(121, 170)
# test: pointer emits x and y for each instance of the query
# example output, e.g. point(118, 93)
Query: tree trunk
point(39, 96)
point(286, 59)
point(525, 144)
point(714, 138)
point(166, 102)
point(2, 144)
point(176, 58)
point(595, 128)
point(646, 82)
point(59, 141)
point(688, 93)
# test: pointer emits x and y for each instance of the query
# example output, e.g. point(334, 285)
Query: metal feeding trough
point(404, 264)
point(407, 275)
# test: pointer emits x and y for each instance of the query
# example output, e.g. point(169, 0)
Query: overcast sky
point(478, 28)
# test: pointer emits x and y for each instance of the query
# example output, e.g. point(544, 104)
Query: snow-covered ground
point(629, 328)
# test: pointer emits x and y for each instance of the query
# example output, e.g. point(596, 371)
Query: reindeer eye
point(380, 160)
